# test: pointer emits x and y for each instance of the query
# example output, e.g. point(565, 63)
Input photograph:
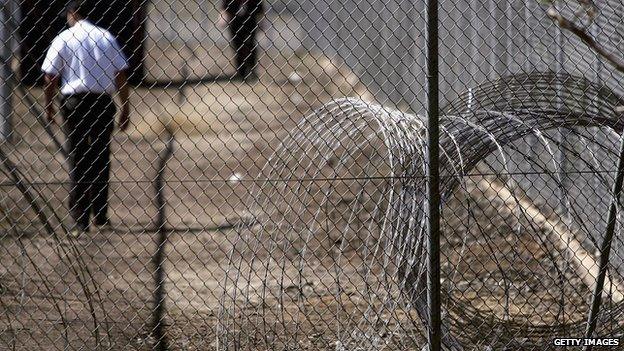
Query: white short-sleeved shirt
point(87, 58)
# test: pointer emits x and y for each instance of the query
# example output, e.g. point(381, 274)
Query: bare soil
point(54, 291)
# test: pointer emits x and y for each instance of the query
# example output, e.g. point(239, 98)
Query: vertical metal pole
point(563, 133)
point(433, 179)
point(605, 247)
point(6, 106)
point(158, 322)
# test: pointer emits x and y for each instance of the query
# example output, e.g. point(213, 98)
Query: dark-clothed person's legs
point(89, 122)
point(243, 30)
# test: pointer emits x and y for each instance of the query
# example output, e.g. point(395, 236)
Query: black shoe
point(102, 223)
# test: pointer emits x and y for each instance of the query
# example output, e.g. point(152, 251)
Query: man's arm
point(224, 15)
point(50, 90)
point(224, 19)
point(53, 65)
point(120, 65)
point(121, 80)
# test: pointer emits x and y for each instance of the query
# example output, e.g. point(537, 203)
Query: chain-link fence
point(270, 188)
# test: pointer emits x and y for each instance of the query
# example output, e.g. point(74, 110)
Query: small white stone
point(294, 78)
point(235, 178)
point(296, 98)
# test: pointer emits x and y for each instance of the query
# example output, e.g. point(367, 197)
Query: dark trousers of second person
point(89, 122)
point(243, 30)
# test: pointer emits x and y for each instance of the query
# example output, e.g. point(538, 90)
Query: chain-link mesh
point(269, 191)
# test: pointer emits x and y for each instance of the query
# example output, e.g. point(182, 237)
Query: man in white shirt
point(90, 66)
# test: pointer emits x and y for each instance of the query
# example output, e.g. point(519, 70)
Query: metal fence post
point(605, 247)
point(385, 148)
point(6, 90)
point(159, 257)
point(433, 191)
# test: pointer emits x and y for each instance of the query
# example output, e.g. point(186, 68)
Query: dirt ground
point(53, 289)
point(62, 293)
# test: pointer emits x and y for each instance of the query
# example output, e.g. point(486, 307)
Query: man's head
point(75, 11)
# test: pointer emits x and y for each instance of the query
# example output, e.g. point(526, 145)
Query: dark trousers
point(89, 123)
point(243, 30)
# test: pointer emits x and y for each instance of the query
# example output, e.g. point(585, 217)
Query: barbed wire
point(318, 238)
point(350, 136)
